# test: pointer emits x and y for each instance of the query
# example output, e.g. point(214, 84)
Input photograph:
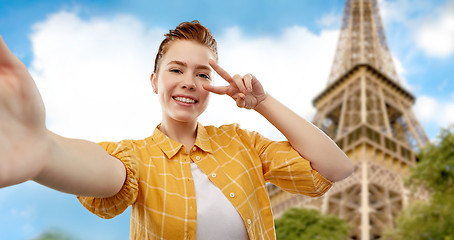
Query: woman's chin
point(184, 118)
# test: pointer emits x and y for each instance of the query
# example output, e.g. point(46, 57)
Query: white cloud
point(93, 74)
point(426, 108)
point(430, 110)
point(330, 20)
point(436, 35)
point(447, 117)
point(402, 11)
point(393, 11)
point(400, 69)
point(430, 24)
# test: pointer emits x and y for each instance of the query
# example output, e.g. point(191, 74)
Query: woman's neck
point(182, 132)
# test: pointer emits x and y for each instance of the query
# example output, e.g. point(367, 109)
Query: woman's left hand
point(245, 90)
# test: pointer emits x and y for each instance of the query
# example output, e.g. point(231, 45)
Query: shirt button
point(232, 195)
point(213, 175)
point(249, 221)
point(194, 149)
point(197, 158)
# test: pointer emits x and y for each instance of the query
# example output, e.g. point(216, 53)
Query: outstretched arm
point(30, 152)
point(308, 140)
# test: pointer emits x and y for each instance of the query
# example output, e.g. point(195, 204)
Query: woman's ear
point(154, 82)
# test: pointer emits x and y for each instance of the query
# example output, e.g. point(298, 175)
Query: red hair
point(192, 31)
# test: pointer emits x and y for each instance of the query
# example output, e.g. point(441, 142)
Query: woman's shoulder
point(228, 130)
point(232, 127)
point(131, 144)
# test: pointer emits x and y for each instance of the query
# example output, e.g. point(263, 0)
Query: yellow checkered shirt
point(160, 188)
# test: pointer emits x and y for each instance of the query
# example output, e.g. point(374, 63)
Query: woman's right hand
point(23, 133)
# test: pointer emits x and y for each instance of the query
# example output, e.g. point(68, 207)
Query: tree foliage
point(425, 220)
point(302, 224)
point(54, 234)
point(435, 172)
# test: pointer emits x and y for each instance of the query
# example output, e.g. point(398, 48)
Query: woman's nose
point(189, 83)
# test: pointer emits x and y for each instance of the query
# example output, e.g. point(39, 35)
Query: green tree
point(435, 172)
point(303, 224)
point(54, 234)
point(425, 220)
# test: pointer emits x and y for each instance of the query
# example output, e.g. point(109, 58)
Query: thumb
point(215, 89)
point(6, 56)
point(240, 101)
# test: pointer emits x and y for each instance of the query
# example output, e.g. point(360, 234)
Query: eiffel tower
point(365, 109)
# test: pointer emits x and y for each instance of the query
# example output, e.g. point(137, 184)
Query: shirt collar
point(171, 147)
point(203, 140)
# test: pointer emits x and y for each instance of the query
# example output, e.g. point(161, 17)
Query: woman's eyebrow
point(183, 64)
point(203, 67)
point(177, 63)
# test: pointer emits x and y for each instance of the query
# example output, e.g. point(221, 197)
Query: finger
point(223, 73)
point(215, 89)
point(240, 100)
point(6, 56)
point(239, 83)
point(248, 82)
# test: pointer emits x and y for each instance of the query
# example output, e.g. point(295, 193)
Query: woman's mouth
point(184, 99)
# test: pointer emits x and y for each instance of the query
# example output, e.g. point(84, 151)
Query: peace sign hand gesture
point(245, 90)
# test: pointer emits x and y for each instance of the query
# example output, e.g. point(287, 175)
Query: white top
point(217, 218)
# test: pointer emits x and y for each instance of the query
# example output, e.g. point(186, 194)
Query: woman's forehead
point(187, 52)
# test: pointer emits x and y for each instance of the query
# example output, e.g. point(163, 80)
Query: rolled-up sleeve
point(115, 205)
point(283, 166)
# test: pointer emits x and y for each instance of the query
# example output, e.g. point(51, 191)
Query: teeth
point(185, 100)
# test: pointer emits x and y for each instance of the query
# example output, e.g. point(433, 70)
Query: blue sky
point(92, 60)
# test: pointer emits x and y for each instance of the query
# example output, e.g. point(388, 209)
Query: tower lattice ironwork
point(368, 113)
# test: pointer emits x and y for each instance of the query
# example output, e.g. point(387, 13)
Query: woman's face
point(182, 71)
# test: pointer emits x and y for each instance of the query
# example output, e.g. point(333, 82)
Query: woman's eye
point(175, 70)
point(203, 75)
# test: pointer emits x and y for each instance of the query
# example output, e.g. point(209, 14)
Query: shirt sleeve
point(283, 166)
point(115, 205)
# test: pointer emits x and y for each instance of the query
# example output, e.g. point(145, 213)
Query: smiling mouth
point(184, 100)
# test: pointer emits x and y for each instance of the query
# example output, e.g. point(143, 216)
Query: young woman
point(186, 181)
